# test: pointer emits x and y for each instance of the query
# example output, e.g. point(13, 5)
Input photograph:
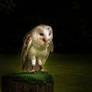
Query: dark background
point(71, 62)
point(71, 25)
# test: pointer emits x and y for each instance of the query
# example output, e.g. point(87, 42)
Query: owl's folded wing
point(27, 44)
point(51, 47)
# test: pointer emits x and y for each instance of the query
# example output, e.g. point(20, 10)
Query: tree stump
point(27, 82)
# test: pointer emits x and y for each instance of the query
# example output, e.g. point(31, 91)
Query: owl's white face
point(43, 35)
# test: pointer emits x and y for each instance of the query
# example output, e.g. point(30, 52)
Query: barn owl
point(36, 48)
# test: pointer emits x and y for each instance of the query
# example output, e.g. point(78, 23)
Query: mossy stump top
point(33, 78)
point(27, 82)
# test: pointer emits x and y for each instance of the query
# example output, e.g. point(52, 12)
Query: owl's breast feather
point(38, 51)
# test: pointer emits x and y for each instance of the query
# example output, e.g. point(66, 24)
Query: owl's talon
point(32, 71)
point(42, 70)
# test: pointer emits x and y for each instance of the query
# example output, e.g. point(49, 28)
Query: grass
point(72, 73)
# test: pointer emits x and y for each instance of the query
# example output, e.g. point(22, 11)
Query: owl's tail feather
point(27, 66)
point(24, 66)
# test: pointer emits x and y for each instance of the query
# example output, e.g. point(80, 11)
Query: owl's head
point(42, 34)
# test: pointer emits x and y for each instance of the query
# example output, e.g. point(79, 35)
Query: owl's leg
point(33, 64)
point(40, 65)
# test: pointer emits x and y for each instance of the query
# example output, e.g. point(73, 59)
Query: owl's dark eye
point(50, 33)
point(41, 34)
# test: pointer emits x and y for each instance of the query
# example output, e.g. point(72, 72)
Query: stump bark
point(28, 83)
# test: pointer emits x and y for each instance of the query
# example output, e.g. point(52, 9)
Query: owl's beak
point(44, 40)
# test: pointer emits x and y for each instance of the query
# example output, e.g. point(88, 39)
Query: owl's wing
point(26, 46)
point(50, 49)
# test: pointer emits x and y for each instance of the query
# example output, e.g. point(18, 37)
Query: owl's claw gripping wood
point(33, 70)
point(42, 70)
